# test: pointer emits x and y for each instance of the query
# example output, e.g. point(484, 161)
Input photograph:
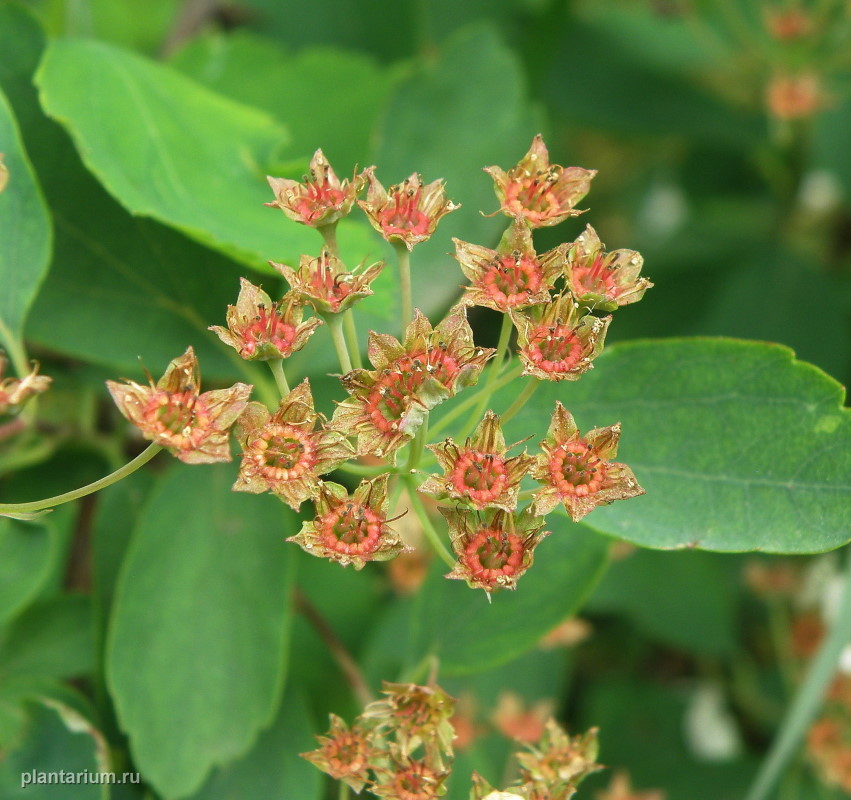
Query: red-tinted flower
point(512, 276)
point(620, 788)
point(577, 471)
point(603, 280)
point(544, 193)
point(14, 392)
point(321, 200)
point(174, 414)
point(479, 472)
point(482, 790)
point(284, 453)
point(325, 283)
point(517, 720)
point(558, 341)
point(558, 763)
point(405, 778)
point(389, 403)
point(417, 715)
point(260, 330)
point(344, 753)
point(407, 212)
point(351, 530)
point(791, 97)
point(494, 548)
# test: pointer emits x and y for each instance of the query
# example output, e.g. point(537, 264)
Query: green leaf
point(739, 446)
point(168, 148)
point(311, 92)
point(197, 648)
point(27, 553)
point(446, 127)
point(468, 634)
point(25, 232)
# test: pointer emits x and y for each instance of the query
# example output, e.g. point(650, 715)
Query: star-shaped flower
point(407, 212)
point(479, 472)
point(603, 280)
point(325, 283)
point(14, 392)
point(345, 753)
point(321, 200)
point(512, 276)
point(544, 193)
point(577, 471)
point(389, 403)
point(174, 414)
point(260, 330)
point(285, 453)
point(351, 530)
point(558, 341)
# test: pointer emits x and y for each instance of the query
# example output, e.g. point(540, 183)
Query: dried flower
point(321, 200)
point(482, 790)
point(512, 276)
point(515, 720)
point(558, 341)
point(350, 530)
point(620, 788)
point(344, 753)
point(603, 280)
point(405, 778)
point(389, 403)
point(284, 453)
point(407, 212)
point(325, 283)
point(558, 763)
point(544, 193)
point(494, 548)
point(787, 24)
point(417, 715)
point(172, 413)
point(260, 330)
point(577, 470)
point(790, 97)
point(479, 472)
point(14, 392)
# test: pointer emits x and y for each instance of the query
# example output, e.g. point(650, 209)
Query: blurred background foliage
point(720, 129)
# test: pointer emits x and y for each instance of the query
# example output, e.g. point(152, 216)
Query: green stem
point(473, 399)
point(368, 471)
point(352, 338)
point(417, 447)
point(329, 234)
point(521, 399)
point(277, 367)
point(15, 350)
point(343, 791)
point(807, 701)
point(128, 469)
point(404, 258)
point(335, 327)
point(422, 515)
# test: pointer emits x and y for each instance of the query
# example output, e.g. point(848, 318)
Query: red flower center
point(492, 555)
point(345, 754)
point(351, 529)
point(402, 216)
point(330, 287)
point(180, 419)
point(554, 348)
point(389, 399)
point(510, 280)
point(267, 327)
point(479, 476)
point(283, 452)
point(316, 199)
point(596, 279)
point(576, 470)
point(416, 782)
point(535, 196)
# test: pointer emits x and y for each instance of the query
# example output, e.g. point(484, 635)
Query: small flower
point(407, 212)
point(14, 392)
point(494, 548)
point(405, 778)
point(350, 530)
point(577, 471)
point(559, 762)
point(544, 193)
point(787, 24)
point(321, 200)
point(172, 413)
point(260, 330)
point(512, 276)
point(479, 472)
point(344, 753)
point(603, 280)
point(482, 790)
point(284, 453)
point(790, 97)
point(417, 715)
point(326, 285)
point(558, 341)
point(514, 719)
point(389, 403)
point(620, 788)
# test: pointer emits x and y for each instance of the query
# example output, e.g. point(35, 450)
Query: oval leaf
point(197, 648)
